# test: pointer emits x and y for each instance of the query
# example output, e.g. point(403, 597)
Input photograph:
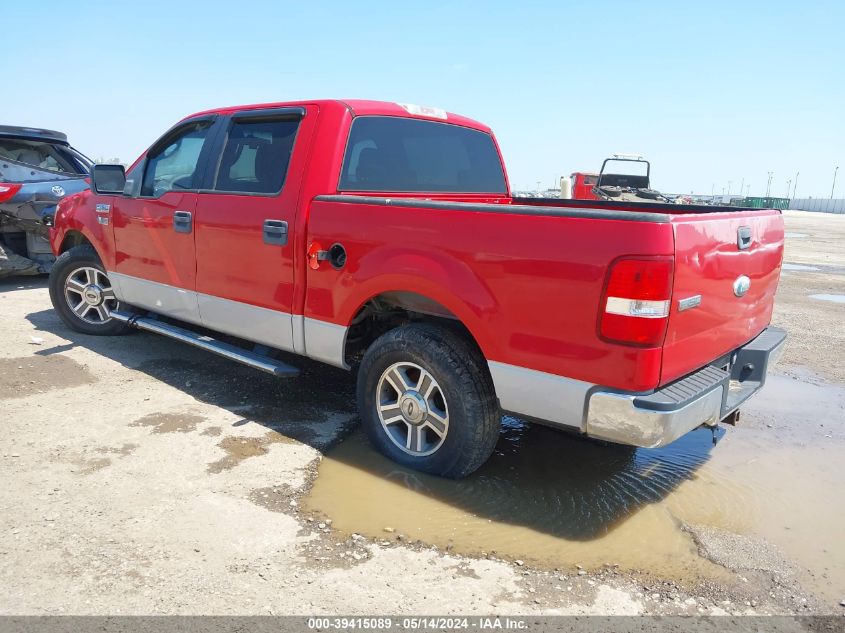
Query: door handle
point(743, 237)
point(182, 221)
point(275, 232)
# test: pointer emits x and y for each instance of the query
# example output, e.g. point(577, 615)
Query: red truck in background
point(582, 185)
point(383, 237)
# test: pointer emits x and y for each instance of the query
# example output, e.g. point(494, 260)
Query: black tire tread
point(84, 253)
point(465, 366)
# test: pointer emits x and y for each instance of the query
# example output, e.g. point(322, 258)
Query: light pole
point(795, 184)
point(769, 184)
point(833, 186)
point(788, 182)
point(742, 186)
point(729, 186)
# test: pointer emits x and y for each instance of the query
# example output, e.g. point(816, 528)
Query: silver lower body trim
point(325, 341)
point(553, 399)
point(165, 299)
point(298, 327)
point(261, 325)
point(314, 338)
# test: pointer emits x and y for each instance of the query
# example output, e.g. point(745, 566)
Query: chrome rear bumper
point(704, 397)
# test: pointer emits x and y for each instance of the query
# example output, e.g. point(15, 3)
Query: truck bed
point(527, 276)
point(650, 207)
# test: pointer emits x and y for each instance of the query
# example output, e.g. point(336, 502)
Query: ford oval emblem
point(58, 190)
point(741, 285)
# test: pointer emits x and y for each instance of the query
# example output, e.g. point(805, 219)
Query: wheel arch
point(77, 223)
point(387, 309)
point(80, 237)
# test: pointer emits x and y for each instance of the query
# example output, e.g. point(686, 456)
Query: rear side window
point(399, 154)
point(256, 156)
point(39, 154)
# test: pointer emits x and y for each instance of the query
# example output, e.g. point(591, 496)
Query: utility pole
point(833, 186)
point(795, 184)
point(788, 183)
point(742, 186)
point(769, 184)
point(729, 186)
point(748, 189)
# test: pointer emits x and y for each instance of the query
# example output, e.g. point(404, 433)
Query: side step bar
point(232, 352)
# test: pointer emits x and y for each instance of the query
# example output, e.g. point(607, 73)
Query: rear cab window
point(395, 154)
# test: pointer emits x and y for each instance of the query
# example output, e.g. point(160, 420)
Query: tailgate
point(712, 252)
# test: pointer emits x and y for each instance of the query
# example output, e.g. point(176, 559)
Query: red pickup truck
point(383, 237)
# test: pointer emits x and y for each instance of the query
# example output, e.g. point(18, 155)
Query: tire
point(78, 274)
point(463, 396)
point(648, 194)
point(609, 191)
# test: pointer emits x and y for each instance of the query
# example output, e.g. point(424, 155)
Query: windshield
point(625, 173)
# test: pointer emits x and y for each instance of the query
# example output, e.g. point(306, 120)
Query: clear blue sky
point(710, 92)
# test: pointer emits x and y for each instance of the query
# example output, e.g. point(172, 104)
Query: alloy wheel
point(89, 294)
point(412, 409)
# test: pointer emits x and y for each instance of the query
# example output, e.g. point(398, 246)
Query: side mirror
point(108, 178)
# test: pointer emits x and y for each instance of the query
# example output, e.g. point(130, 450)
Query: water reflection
point(538, 478)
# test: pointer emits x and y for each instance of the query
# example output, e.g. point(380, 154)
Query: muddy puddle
point(829, 297)
point(240, 448)
point(556, 501)
point(799, 267)
point(169, 422)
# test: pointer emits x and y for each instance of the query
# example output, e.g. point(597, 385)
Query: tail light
point(8, 191)
point(636, 301)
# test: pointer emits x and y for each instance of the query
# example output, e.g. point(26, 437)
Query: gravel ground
point(816, 334)
point(144, 477)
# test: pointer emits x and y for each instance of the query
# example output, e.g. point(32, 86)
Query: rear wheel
point(82, 293)
point(427, 401)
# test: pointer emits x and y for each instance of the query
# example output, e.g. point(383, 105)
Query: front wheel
point(82, 293)
point(427, 401)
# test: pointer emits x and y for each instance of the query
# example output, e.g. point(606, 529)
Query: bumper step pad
point(684, 391)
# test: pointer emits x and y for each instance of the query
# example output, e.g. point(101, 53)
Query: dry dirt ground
point(140, 476)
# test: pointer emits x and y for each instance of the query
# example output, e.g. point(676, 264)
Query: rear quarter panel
point(528, 287)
